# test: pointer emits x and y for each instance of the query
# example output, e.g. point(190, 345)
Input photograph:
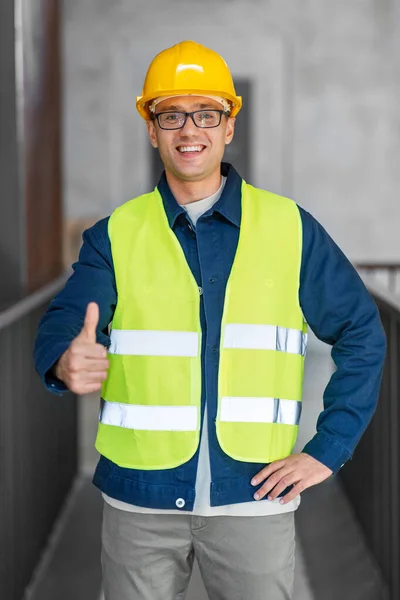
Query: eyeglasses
point(205, 119)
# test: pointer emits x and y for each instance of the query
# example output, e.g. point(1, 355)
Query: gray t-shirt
point(198, 208)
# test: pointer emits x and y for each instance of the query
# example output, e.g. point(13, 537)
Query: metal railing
point(372, 479)
point(38, 446)
point(382, 274)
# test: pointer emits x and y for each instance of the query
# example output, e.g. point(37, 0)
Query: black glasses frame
point(189, 114)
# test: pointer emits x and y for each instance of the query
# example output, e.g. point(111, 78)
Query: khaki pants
point(150, 557)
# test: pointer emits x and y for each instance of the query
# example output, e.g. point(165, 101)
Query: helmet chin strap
point(225, 104)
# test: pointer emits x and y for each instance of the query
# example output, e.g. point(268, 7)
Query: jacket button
point(180, 503)
point(200, 290)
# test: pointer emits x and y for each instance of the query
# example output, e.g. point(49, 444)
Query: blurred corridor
point(320, 123)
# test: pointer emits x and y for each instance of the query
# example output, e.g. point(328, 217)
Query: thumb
point(90, 323)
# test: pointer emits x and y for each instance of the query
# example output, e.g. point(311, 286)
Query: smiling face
point(191, 153)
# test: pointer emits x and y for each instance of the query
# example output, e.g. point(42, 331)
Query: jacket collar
point(229, 204)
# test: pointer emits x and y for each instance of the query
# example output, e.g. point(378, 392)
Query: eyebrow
point(180, 108)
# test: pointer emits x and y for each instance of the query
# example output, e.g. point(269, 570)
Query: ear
point(230, 130)
point(151, 130)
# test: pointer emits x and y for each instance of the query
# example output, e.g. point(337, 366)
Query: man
point(208, 284)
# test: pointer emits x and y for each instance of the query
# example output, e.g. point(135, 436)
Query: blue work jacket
point(335, 303)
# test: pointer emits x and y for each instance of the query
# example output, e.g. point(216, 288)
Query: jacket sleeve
point(92, 280)
point(341, 312)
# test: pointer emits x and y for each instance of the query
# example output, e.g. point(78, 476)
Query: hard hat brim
point(142, 102)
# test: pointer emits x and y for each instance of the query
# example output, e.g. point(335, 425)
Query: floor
point(332, 559)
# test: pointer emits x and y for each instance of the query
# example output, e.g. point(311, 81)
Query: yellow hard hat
point(188, 68)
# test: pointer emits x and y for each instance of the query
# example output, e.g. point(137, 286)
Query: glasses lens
point(171, 120)
point(207, 118)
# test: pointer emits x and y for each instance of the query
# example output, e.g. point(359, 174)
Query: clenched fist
point(83, 367)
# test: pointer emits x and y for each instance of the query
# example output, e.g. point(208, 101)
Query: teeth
point(190, 148)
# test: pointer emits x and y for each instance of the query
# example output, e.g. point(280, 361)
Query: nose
point(189, 128)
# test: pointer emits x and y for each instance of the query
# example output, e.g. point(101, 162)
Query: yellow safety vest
point(150, 411)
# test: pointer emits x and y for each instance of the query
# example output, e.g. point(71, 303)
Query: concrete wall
point(326, 118)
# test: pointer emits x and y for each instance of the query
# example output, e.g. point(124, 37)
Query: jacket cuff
point(44, 368)
point(53, 384)
point(327, 451)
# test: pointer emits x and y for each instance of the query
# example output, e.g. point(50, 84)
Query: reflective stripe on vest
point(150, 418)
point(265, 337)
point(183, 343)
point(260, 410)
point(184, 418)
point(154, 343)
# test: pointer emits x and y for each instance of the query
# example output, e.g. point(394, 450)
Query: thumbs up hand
point(83, 367)
point(88, 332)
